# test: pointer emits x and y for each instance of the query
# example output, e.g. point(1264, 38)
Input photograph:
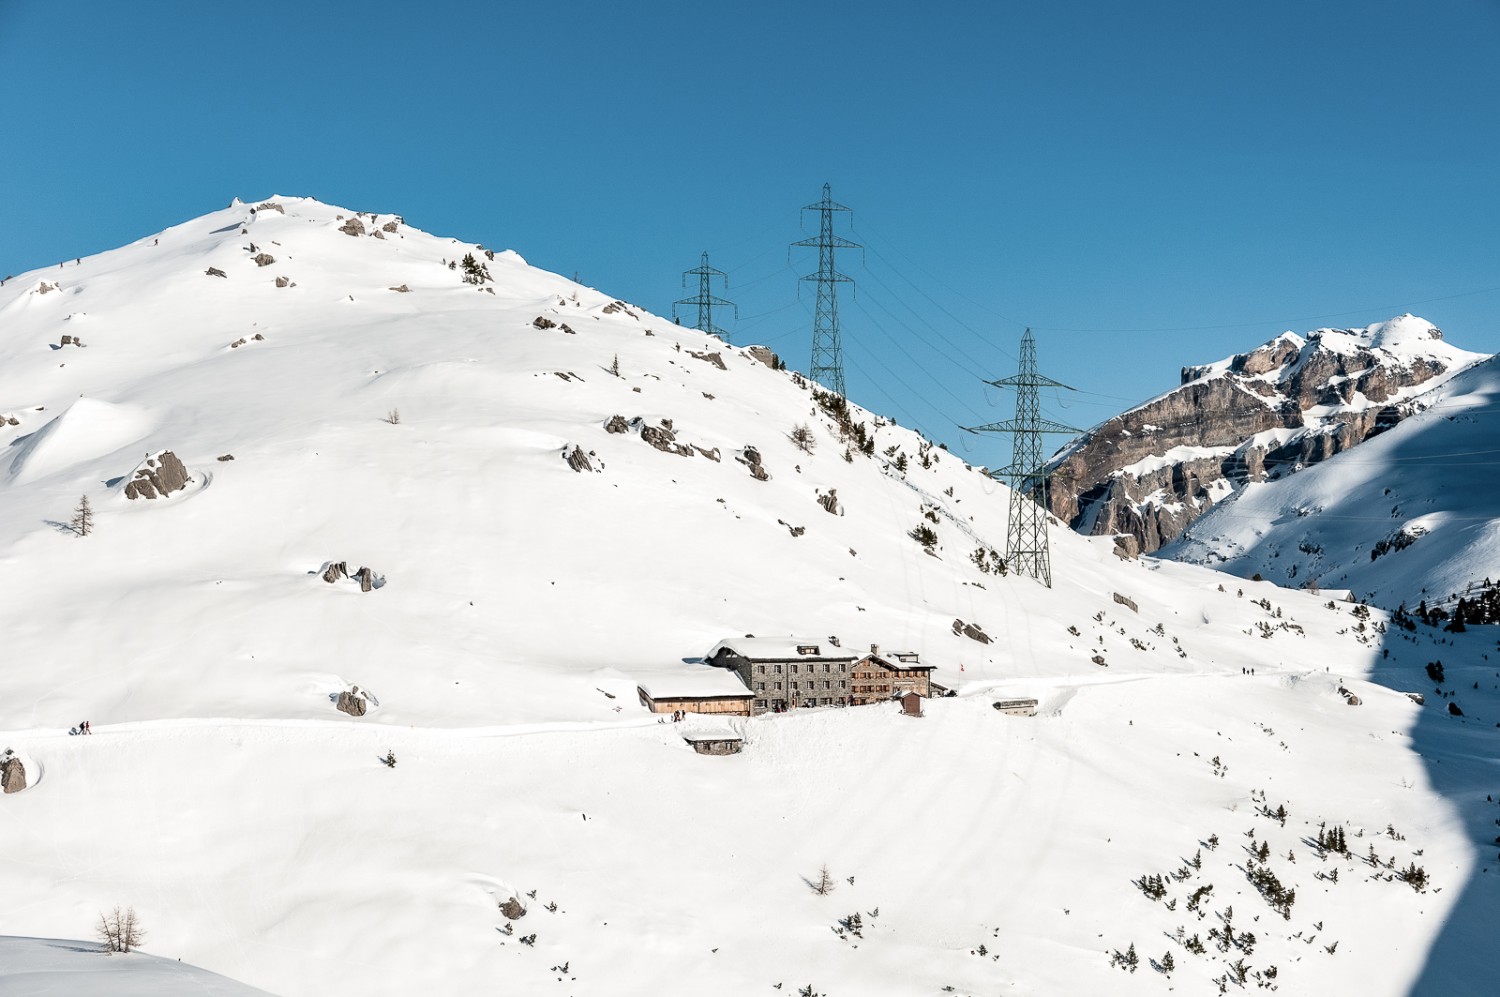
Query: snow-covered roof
point(785, 648)
point(691, 682)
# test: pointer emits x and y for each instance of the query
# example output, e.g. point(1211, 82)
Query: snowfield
point(426, 434)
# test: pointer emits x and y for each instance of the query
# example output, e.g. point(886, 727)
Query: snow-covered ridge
point(1253, 416)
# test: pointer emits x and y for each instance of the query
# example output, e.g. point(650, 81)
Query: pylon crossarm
point(836, 241)
point(1034, 381)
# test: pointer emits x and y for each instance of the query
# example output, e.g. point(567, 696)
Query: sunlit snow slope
point(431, 434)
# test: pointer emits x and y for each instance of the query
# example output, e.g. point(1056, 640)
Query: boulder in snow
point(161, 475)
point(12, 773)
point(352, 702)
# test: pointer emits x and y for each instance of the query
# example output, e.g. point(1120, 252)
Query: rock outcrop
point(352, 702)
point(12, 773)
point(160, 476)
point(1294, 401)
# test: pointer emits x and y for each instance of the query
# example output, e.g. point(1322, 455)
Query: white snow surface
point(44, 967)
point(257, 833)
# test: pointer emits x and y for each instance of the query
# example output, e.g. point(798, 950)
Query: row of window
point(827, 667)
point(761, 704)
point(827, 684)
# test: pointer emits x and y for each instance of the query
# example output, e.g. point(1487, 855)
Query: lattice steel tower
point(1026, 549)
point(827, 351)
point(705, 299)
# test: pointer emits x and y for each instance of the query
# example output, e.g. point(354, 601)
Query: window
point(778, 669)
point(760, 704)
point(843, 684)
point(807, 649)
point(761, 669)
point(827, 684)
point(778, 686)
point(794, 669)
point(760, 687)
point(826, 667)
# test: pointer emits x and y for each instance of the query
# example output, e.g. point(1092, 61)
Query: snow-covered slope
point(532, 558)
point(41, 967)
point(1411, 515)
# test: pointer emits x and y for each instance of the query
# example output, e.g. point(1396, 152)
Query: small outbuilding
point(715, 744)
point(911, 703)
point(696, 689)
point(1016, 707)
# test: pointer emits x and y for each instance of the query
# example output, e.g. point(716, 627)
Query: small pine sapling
point(83, 517)
point(389, 759)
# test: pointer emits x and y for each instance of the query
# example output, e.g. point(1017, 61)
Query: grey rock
point(263, 259)
point(12, 774)
point(1126, 601)
point(617, 424)
point(1223, 406)
point(578, 460)
point(352, 703)
point(764, 355)
point(162, 475)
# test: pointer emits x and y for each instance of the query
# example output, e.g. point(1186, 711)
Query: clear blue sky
point(1146, 185)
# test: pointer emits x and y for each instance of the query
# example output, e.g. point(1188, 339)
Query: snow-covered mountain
point(1412, 515)
point(1290, 403)
point(557, 496)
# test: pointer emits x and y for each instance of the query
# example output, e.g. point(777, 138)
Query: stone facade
point(817, 673)
point(876, 678)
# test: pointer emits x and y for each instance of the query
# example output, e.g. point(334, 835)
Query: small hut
point(911, 703)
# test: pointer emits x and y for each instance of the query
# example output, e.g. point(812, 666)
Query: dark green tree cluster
point(836, 407)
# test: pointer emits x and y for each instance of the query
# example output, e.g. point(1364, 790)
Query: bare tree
point(83, 517)
point(120, 931)
point(824, 885)
point(393, 417)
point(802, 438)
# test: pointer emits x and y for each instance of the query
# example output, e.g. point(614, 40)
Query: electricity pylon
point(827, 351)
point(1026, 549)
point(705, 299)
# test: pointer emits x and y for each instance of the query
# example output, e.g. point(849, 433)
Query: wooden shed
point(911, 703)
point(695, 689)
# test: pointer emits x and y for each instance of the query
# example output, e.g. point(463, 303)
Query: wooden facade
point(729, 705)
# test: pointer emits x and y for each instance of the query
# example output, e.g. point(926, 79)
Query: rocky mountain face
point(1255, 416)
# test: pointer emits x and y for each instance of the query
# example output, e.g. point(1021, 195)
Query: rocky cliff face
point(1294, 401)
